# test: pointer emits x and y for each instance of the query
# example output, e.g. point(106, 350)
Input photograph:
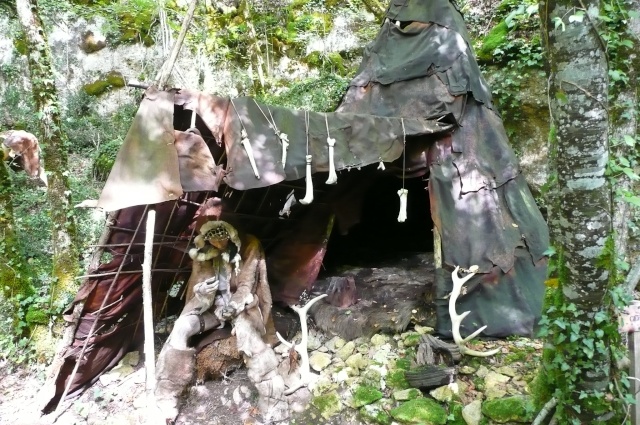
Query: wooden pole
point(167, 68)
point(149, 349)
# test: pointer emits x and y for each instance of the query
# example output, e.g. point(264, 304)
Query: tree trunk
point(577, 362)
point(12, 270)
point(375, 7)
point(65, 258)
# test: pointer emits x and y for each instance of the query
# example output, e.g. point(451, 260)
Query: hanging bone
point(333, 177)
point(402, 215)
point(456, 319)
point(285, 145)
point(301, 348)
point(308, 196)
point(247, 147)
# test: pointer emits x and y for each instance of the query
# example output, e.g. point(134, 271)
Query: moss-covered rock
point(518, 408)
point(422, 411)
point(328, 405)
point(397, 380)
point(412, 339)
point(365, 394)
point(496, 37)
point(376, 413)
point(113, 79)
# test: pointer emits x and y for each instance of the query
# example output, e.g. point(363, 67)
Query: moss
point(412, 340)
point(509, 409)
point(375, 414)
point(397, 380)
point(422, 411)
point(328, 404)
point(37, 316)
point(496, 37)
point(365, 394)
point(116, 79)
point(113, 79)
point(404, 364)
point(455, 414)
point(96, 88)
point(329, 62)
point(20, 44)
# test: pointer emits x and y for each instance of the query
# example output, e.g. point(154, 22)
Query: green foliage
point(322, 94)
point(577, 344)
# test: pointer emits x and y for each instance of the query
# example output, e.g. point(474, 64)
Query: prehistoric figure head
point(213, 240)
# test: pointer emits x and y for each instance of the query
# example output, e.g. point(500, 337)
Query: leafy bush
point(322, 94)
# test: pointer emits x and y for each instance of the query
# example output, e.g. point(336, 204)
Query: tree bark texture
point(624, 123)
point(582, 224)
point(65, 259)
point(12, 273)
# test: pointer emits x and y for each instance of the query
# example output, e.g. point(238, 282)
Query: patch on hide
point(388, 298)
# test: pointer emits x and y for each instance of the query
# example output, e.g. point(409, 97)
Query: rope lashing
point(333, 177)
point(308, 197)
point(246, 144)
point(402, 193)
point(283, 137)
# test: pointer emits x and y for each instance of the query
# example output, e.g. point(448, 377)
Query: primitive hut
point(418, 105)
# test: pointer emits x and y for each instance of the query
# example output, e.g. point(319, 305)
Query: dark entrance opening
point(379, 237)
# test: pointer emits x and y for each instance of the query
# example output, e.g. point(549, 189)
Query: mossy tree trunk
point(12, 266)
point(65, 258)
point(581, 327)
point(376, 7)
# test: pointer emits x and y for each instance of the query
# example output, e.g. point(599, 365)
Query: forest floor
point(119, 396)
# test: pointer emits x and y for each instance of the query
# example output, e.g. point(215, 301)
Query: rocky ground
point(361, 381)
point(358, 382)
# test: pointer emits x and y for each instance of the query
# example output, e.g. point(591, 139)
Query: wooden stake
point(149, 349)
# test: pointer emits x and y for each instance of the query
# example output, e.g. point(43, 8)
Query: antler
point(456, 319)
point(301, 348)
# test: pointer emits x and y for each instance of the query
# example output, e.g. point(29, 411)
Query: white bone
point(247, 147)
point(456, 319)
point(301, 348)
point(285, 145)
point(402, 215)
point(333, 177)
point(308, 196)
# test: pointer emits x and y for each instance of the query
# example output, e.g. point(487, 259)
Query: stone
point(346, 350)
point(493, 379)
point(507, 371)
point(328, 405)
point(482, 371)
point(375, 414)
point(466, 370)
point(423, 329)
point(408, 394)
point(357, 361)
point(445, 393)
point(494, 393)
point(472, 413)
point(314, 341)
point(132, 358)
point(379, 339)
point(318, 361)
point(423, 411)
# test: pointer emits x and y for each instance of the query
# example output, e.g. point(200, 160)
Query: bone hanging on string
point(246, 144)
point(333, 177)
point(308, 197)
point(283, 137)
point(402, 193)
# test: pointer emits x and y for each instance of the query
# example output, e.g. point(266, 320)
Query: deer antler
point(456, 319)
point(301, 348)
